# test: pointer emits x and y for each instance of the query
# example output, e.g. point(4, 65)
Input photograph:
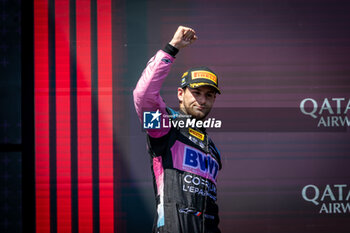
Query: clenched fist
point(183, 37)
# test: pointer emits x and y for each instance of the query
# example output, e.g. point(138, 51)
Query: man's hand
point(183, 37)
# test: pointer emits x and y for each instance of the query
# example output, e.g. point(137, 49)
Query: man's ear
point(180, 94)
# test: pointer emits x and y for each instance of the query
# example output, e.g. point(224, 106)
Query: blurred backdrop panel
point(10, 117)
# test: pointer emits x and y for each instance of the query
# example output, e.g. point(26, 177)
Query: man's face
point(197, 101)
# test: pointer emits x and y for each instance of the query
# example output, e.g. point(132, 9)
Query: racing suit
point(184, 161)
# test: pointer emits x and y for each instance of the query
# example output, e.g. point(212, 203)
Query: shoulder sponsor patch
point(166, 60)
point(196, 134)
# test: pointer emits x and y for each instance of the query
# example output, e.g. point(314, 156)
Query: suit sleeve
point(147, 92)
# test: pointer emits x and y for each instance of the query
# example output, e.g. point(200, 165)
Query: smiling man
point(184, 160)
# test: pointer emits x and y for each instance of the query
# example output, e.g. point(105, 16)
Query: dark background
point(10, 117)
point(267, 54)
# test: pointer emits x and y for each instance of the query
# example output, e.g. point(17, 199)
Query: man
point(185, 161)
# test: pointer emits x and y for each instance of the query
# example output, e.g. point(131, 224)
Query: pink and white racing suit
point(185, 162)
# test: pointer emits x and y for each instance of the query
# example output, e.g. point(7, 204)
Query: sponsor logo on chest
point(200, 163)
point(196, 134)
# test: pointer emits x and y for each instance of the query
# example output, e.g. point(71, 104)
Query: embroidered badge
point(196, 134)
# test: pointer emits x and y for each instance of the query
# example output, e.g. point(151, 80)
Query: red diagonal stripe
point(63, 117)
point(104, 38)
point(41, 95)
point(83, 30)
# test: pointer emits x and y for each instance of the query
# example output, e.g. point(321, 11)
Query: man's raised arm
point(147, 92)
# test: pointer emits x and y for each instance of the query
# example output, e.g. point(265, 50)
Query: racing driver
point(184, 160)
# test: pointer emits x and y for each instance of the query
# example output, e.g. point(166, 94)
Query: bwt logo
point(151, 120)
point(201, 162)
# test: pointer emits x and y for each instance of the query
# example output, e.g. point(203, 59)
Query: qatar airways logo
point(157, 120)
point(331, 199)
point(330, 113)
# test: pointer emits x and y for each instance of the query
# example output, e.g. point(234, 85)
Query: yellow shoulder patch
point(196, 134)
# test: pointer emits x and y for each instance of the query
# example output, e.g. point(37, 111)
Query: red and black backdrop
point(81, 152)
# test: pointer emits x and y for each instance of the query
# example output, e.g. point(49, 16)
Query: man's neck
point(182, 111)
